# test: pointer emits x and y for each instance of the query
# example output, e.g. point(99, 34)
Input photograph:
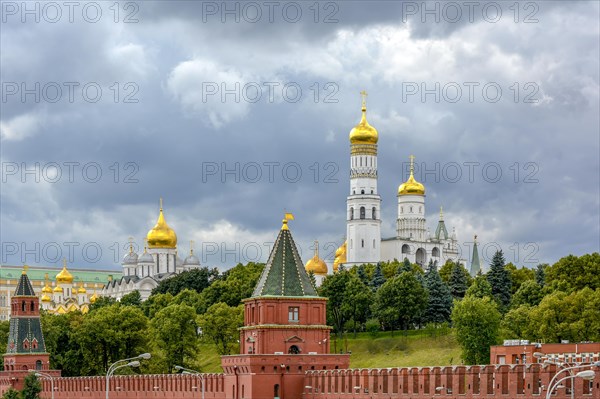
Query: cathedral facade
point(158, 262)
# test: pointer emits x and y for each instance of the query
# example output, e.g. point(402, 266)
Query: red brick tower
point(26, 349)
point(285, 332)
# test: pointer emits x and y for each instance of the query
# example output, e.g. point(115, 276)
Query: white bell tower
point(363, 205)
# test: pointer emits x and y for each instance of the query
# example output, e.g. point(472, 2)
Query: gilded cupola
point(161, 235)
point(363, 133)
point(316, 264)
point(64, 277)
point(411, 186)
point(340, 256)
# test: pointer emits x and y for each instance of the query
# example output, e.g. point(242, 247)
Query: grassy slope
point(383, 351)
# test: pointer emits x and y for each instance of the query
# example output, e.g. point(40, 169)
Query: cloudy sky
point(234, 112)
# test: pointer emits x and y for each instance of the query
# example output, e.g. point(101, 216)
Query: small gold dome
point(161, 235)
point(316, 264)
point(47, 289)
point(94, 298)
point(46, 298)
point(363, 133)
point(64, 277)
point(81, 290)
point(411, 186)
point(58, 288)
point(340, 256)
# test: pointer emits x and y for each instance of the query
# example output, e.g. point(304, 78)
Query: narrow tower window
point(374, 214)
point(362, 212)
point(351, 213)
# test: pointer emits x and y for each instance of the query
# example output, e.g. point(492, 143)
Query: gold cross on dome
point(160, 201)
point(412, 164)
point(364, 95)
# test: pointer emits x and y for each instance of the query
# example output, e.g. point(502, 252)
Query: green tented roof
point(284, 274)
point(24, 287)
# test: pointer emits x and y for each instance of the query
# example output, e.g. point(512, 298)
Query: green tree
point(400, 301)
point(191, 298)
point(357, 301)
point(406, 266)
point(195, 279)
point(378, 279)
point(65, 350)
point(233, 285)
point(519, 276)
point(439, 306)
point(529, 293)
point(576, 272)
point(155, 303)
point(516, 323)
point(362, 274)
point(132, 299)
point(220, 323)
point(4, 328)
point(174, 331)
point(458, 281)
point(334, 288)
point(476, 322)
point(11, 394)
point(480, 287)
point(31, 388)
point(552, 318)
point(102, 302)
point(446, 271)
point(499, 279)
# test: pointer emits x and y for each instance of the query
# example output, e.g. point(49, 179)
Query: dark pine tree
point(378, 278)
point(439, 307)
point(499, 279)
point(362, 274)
point(458, 281)
point(405, 266)
point(540, 275)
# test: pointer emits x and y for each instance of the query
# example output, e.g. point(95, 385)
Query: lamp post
point(132, 362)
point(48, 376)
point(586, 375)
point(570, 370)
point(194, 372)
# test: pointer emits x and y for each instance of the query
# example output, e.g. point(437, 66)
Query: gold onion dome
point(64, 277)
point(161, 235)
point(46, 298)
point(58, 288)
point(340, 256)
point(94, 298)
point(316, 264)
point(82, 290)
point(411, 186)
point(46, 289)
point(363, 133)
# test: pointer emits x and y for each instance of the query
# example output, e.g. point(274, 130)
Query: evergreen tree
point(11, 394)
point(458, 281)
point(499, 279)
point(540, 275)
point(405, 267)
point(378, 278)
point(362, 274)
point(439, 306)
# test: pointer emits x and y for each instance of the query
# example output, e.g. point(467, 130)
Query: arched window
point(362, 212)
point(294, 350)
point(32, 306)
point(276, 391)
point(24, 306)
point(351, 213)
point(362, 191)
point(38, 365)
point(374, 214)
point(362, 243)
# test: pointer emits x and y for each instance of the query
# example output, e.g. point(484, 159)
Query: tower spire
point(475, 266)
point(441, 213)
point(287, 216)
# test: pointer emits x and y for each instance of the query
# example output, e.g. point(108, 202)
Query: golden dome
point(363, 133)
point(411, 186)
point(340, 256)
point(58, 288)
point(161, 235)
point(46, 298)
point(64, 277)
point(47, 289)
point(316, 264)
point(81, 290)
point(93, 298)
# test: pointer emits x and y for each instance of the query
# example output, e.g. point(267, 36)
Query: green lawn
point(413, 349)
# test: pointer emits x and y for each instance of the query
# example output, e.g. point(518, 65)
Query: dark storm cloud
point(202, 154)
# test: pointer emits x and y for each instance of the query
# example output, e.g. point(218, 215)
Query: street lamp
point(570, 370)
point(586, 375)
point(48, 376)
point(194, 372)
point(132, 362)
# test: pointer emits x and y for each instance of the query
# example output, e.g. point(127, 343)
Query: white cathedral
point(159, 261)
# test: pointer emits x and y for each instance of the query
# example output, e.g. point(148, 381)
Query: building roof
point(24, 287)
point(39, 273)
point(284, 273)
